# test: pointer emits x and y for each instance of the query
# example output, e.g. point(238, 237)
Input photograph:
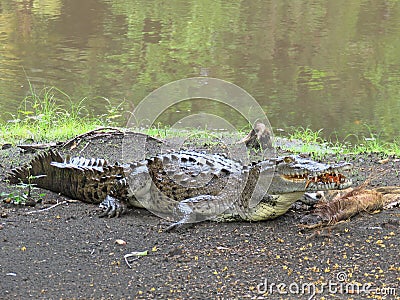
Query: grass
point(312, 142)
point(202, 135)
point(41, 118)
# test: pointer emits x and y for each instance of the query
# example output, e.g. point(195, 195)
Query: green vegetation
point(50, 115)
point(312, 142)
point(205, 135)
point(41, 118)
point(24, 194)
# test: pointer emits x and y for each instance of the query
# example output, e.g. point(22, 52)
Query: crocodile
point(190, 186)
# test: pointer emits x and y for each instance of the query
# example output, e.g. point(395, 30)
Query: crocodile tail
point(89, 180)
point(36, 168)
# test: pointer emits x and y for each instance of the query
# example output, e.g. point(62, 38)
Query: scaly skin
point(189, 186)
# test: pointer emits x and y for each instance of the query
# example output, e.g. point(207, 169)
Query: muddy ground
point(67, 252)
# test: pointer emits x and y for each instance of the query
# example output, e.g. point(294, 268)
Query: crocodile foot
point(112, 207)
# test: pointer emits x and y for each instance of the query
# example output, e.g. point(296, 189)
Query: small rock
point(175, 251)
point(120, 242)
point(383, 161)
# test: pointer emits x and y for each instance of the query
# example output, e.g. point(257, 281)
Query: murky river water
point(331, 65)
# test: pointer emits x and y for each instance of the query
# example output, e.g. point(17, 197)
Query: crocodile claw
point(174, 226)
point(112, 207)
point(177, 226)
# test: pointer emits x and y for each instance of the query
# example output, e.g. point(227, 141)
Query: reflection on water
point(318, 64)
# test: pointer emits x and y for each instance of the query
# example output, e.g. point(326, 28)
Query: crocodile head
point(295, 173)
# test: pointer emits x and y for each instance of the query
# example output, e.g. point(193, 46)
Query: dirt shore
point(67, 252)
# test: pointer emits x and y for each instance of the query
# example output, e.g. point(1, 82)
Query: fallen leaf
point(383, 161)
point(222, 248)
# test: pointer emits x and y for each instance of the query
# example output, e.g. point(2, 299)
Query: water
point(331, 65)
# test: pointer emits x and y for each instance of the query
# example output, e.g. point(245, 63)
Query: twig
point(84, 147)
point(135, 254)
point(129, 263)
point(51, 207)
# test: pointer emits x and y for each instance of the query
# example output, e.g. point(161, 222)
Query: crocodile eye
point(288, 159)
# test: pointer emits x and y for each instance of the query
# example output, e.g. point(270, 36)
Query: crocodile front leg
point(198, 209)
point(112, 207)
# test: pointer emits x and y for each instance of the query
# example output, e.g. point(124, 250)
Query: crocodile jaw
point(309, 176)
point(324, 181)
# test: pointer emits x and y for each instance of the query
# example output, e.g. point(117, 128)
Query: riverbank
point(41, 118)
